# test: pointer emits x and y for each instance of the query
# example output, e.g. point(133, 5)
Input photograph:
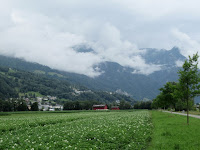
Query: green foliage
point(34, 106)
point(39, 72)
point(79, 105)
point(124, 105)
point(143, 105)
point(6, 87)
point(167, 93)
point(13, 105)
point(22, 107)
point(189, 79)
point(167, 97)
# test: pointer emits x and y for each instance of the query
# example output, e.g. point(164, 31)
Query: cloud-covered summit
point(48, 32)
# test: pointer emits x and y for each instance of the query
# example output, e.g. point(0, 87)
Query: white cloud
point(179, 63)
point(47, 46)
point(112, 48)
point(187, 45)
point(45, 31)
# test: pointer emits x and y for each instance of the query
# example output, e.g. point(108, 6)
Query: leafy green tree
point(22, 106)
point(77, 105)
point(168, 94)
point(124, 105)
point(143, 105)
point(160, 101)
point(34, 106)
point(69, 105)
point(189, 79)
point(127, 105)
point(179, 105)
point(86, 105)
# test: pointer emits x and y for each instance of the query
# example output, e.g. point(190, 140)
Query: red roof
point(98, 105)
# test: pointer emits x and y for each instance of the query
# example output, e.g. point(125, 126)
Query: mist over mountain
point(115, 77)
point(163, 57)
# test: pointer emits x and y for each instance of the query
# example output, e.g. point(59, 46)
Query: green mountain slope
point(113, 79)
point(13, 82)
point(115, 76)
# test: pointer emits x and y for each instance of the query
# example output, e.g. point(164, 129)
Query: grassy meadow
point(172, 132)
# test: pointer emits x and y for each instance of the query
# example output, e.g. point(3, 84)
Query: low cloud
point(47, 32)
point(179, 63)
point(43, 42)
point(112, 48)
point(187, 45)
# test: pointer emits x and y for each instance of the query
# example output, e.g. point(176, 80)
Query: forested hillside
point(114, 77)
point(14, 83)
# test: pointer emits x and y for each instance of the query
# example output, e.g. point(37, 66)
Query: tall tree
point(34, 106)
point(168, 94)
point(22, 106)
point(167, 97)
point(189, 79)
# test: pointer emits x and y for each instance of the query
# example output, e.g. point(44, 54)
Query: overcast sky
point(45, 31)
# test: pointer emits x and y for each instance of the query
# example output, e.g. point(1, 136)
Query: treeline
point(123, 105)
point(169, 98)
point(143, 105)
point(17, 105)
point(87, 105)
point(79, 105)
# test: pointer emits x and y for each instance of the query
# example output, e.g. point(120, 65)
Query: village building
point(50, 108)
point(115, 108)
point(100, 107)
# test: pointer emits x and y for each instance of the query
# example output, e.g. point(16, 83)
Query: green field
point(134, 130)
point(76, 130)
point(172, 132)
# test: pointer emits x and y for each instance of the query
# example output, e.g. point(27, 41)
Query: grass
point(171, 132)
point(37, 94)
point(194, 112)
point(39, 72)
point(3, 73)
point(191, 112)
point(11, 70)
point(55, 74)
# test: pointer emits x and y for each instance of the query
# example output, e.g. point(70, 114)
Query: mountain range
point(115, 77)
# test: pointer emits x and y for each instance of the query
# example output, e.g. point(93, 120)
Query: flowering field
point(83, 130)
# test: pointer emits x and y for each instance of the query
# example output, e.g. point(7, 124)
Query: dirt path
point(195, 116)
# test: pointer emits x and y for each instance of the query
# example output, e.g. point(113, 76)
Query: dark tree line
point(124, 105)
point(87, 105)
point(16, 105)
point(79, 105)
point(143, 105)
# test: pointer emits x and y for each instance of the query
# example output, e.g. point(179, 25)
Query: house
point(51, 109)
point(100, 107)
point(115, 108)
point(45, 98)
point(57, 107)
point(44, 107)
